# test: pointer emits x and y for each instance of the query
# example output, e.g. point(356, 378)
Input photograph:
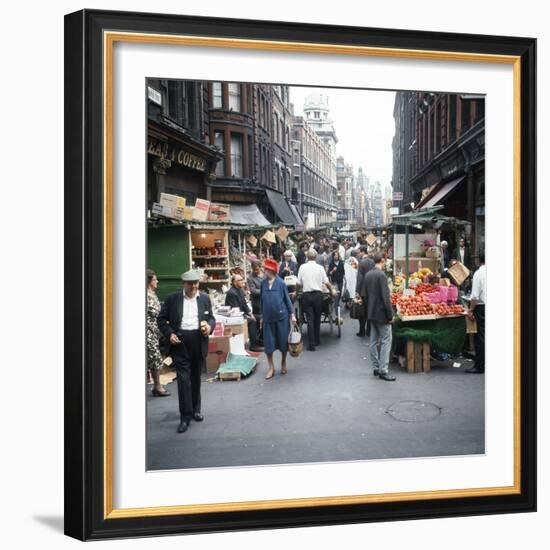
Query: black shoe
point(157, 393)
point(184, 424)
point(386, 376)
point(311, 348)
point(361, 334)
point(198, 417)
point(474, 370)
point(376, 372)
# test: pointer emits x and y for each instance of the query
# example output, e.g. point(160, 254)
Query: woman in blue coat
point(277, 315)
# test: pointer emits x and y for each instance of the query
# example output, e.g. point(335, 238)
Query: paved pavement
point(329, 407)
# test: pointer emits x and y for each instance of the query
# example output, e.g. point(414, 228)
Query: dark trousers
point(364, 325)
point(479, 340)
point(188, 362)
point(312, 304)
point(253, 332)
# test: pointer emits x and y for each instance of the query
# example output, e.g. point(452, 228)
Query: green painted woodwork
point(168, 255)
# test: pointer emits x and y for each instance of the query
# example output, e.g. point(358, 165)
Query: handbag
point(291, 280)
point(295, 343)
point(357, 310)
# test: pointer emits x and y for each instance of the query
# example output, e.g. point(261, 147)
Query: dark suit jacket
point(365, 265)
point(235, 298)
point(378, 296)
point(171, 313)
point(467, 257)
point(338, 276)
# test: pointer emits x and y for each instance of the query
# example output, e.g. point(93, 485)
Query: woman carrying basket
point(277, 315)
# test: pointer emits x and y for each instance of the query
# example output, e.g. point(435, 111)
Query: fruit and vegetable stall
point(429, 318)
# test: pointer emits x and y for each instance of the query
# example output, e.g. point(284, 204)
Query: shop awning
point(297, 214)
point(439, 194)
point(247, 214)
point(281, 207)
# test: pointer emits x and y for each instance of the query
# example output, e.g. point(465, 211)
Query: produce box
point(236, 366)
point(459, 272)
point(219, 212)
point(415, 308)
point(432, 252)
point(232, 330)
point(172, 201)
point(200, 210)
point(218, 348)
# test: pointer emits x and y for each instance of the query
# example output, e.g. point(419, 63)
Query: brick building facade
point(439, 156)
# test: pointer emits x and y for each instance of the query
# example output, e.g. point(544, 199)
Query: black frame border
point(84, 262)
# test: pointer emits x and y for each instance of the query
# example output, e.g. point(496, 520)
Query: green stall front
point(168, 255)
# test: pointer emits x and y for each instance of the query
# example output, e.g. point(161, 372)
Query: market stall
point(416, 241)
point(210, 255)
point(428, 318)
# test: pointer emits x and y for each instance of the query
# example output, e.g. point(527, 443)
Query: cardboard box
point(218, 348)
point(200, 210)
point(232, 330)
point(432, 252)
point(172, 201)
point(459, 272)
point(219, 212)
point(188, 213)
point(471, 326)
point(161, 210)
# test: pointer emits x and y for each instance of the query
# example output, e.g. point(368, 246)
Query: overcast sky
point(364, 125)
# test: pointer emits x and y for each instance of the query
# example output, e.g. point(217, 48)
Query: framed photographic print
point(279, 307)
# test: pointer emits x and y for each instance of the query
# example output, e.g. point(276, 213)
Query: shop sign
point(179, 156)
point(397, 196)
point(154, 95)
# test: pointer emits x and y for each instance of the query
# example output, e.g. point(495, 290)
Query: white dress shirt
point(479, 285)
point(461, 252)
point(190, 317)
point(312, 276)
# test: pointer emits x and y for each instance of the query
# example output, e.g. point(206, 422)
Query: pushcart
point(331, 314)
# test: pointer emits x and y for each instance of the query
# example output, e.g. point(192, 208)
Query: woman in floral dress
point(154, 357)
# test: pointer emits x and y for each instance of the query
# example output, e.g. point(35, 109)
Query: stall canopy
point(440, 193)
point(247, 214)
point(282, 208)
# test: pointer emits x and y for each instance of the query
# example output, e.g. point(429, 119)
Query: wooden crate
point(234, 375)
point(418, 356)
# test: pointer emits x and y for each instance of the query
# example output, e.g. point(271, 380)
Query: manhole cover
point(413, 411)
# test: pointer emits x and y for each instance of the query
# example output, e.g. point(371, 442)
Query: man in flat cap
point(186, 320)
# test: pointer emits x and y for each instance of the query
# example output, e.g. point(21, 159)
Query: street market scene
point(313, 293)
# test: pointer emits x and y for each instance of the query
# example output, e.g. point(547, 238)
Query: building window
point(237, 155)
point(175, 101)
point(217, 95)
point(218, 142)
point(465, 122)
point(452, 118)
point(316, 114)
point(234, 92)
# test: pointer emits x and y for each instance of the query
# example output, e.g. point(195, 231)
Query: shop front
point(178, 164)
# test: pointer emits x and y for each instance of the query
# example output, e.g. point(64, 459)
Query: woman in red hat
point(277, 315)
